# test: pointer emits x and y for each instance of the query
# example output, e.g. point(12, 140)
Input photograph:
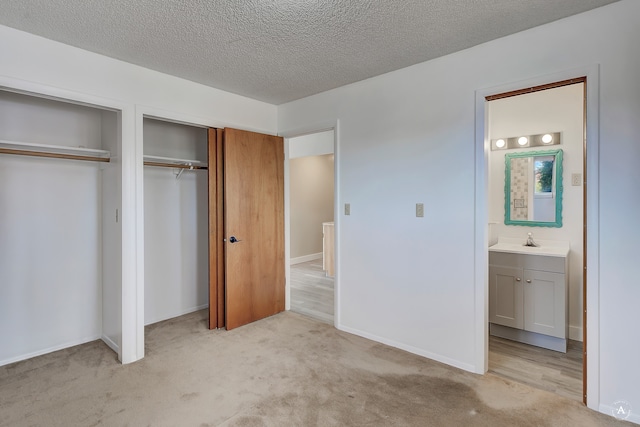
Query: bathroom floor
point(550, 370)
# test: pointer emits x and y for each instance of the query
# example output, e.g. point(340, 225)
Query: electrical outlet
point(576, 179)
point(420, 210)
point(347, 208)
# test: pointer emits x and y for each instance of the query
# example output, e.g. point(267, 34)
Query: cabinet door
point(544, 309)
point(506, 298)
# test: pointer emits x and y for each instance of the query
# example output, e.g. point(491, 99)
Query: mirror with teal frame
point(533, 188)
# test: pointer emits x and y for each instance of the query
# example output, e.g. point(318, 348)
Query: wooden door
point(253, 226)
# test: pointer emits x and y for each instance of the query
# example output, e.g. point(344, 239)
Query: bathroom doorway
point(558, 110)
point(311, 207)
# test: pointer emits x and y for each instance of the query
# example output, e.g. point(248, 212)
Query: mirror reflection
point(533, 188)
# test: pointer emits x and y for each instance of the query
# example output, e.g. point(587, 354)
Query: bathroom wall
point(556, 110)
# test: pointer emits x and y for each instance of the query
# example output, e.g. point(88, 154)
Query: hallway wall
point(311, 199)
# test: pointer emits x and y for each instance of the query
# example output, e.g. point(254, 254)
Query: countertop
point(547, 247)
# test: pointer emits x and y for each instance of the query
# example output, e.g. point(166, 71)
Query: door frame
point(592, 287)
point(292, 133)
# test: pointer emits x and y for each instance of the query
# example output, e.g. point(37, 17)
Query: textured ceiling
point(280, 50)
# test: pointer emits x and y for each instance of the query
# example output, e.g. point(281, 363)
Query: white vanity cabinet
point(528, 296)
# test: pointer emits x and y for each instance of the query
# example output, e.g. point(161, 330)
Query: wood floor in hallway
point(312, 291)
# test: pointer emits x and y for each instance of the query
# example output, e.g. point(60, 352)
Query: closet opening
point(213, 223)
point(176, 219)
point(60, 251)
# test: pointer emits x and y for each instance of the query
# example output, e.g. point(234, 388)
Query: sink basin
point(546, 248)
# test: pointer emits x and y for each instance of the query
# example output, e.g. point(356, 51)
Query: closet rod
point(173, 165)
point(53, 155)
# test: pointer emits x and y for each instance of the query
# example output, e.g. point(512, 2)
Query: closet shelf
point(54, 151)
point(171, 162)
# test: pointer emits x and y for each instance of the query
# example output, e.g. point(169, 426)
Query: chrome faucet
point(530, 241)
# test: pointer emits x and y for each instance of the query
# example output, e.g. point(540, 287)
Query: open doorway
point(536, 305)
point(311, 225)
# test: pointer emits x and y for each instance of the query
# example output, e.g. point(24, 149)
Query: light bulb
point(523, 140)
point(500, 143)
point(547, 138)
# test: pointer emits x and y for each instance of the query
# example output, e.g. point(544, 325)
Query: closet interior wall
point(176, 234)
point(60, 268)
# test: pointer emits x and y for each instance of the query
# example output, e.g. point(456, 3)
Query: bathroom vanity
point(528, 292)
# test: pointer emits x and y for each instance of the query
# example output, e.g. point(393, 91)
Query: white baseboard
point(177, 314)
point(48, 350)
point(575, 333)
point(112, 344)
point(429, 355)
point(305, 258)
point(528, 337)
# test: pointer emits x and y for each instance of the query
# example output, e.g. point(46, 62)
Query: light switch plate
point(420, 210)
point(347, 208)
point(576, 179)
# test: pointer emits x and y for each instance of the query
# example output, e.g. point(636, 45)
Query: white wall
point(557, 110)
point(311, 203)
point(313, 144)
point(408, 137)
point(176, 223)
point(32, 63)
point(36, 59)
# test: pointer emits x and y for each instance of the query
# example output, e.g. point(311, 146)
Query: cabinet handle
point(528, 280)
point(518, 279)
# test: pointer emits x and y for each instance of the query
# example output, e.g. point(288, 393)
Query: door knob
point(528, 280)
point(518, 279)
point(233, 239)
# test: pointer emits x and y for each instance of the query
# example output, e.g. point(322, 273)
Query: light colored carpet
point(287, 370)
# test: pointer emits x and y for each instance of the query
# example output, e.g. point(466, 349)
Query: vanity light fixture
point(527, 141)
